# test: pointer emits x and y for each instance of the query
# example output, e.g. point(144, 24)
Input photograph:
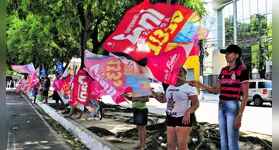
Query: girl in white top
point(179, 111)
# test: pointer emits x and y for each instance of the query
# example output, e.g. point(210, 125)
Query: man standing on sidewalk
point(46, 85)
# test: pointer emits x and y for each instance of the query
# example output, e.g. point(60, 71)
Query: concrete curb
point(89, 139)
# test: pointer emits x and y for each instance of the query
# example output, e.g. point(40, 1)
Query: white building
point(221, 9)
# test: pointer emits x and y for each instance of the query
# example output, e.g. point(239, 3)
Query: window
point(252, 85)
point(265, 85)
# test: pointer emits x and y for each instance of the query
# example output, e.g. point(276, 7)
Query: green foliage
point(197, 6)
point(45, 32)
point(252, 35)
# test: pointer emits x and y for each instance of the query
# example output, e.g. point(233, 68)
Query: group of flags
point(151, 41)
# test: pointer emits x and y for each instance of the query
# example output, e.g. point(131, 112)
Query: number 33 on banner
point(113, 68)
point(162, 36)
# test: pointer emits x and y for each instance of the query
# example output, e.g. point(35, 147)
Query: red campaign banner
point(80, 89)
point(164, 67)
point(147, 29)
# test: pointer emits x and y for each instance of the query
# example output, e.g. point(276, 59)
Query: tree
point(63, 29)
point(254, 38)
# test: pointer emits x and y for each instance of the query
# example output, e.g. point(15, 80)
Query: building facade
point(253, 33)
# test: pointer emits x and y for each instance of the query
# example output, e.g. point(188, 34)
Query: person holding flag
point(140, 117)
point(35, 91)
point(233, 85)
point(180, 113)
point(56, 96)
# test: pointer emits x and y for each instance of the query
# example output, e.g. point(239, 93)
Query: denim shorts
point(140, 116)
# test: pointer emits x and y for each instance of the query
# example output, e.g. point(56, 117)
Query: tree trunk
point(85, 18)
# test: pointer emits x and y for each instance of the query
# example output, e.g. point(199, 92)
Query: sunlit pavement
point(27, 129)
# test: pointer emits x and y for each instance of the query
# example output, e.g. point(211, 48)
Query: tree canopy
point(255, 38)
point(45, 32)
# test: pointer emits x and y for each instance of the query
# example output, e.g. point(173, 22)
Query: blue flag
point(60, 67)
point(43, 72)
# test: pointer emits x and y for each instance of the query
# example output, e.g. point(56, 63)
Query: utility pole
point(200, 44)
point(201, 57)
point(235, 21)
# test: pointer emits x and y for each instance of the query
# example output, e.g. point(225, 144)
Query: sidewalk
point(111, 125)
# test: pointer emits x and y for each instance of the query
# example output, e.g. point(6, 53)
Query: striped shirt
point(231, 81)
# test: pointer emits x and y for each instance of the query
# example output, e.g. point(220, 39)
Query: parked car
point(260, 91)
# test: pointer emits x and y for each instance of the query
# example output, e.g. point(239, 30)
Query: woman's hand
point(186, 118)
point(237, 122)
point(195, 83)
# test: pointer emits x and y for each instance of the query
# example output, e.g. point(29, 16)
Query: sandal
point(144, 148)
point(136, 147)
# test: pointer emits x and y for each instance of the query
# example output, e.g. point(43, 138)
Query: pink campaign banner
point(19, 86)
point(29, 68)
point(64, 88)
point(115, 77)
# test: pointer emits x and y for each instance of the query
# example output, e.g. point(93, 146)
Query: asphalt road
point(255, 119)
point(33, 131)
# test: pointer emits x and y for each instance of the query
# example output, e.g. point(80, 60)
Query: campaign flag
point(64, 88)
point(60, 67)
point(96, 91)
point(80, 90)
point(147, 29)
point(27, 86)
point(34, 80)
point(164, 67)
point(19, 86)
point(28, 68)
point(43, 72)
point(38, 71)
point(115, 77)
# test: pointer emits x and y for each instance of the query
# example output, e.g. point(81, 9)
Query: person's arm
point(195, 103)
point(141, 99)
point(128, 97)
point(244, 78)
point(160, 98)
point(245, 88)
point(192, 95)
point(210, 89)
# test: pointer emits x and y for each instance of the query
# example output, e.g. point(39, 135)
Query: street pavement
point(255, 119)
point(27, 129)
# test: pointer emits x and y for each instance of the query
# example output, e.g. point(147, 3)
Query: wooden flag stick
point(190, 82)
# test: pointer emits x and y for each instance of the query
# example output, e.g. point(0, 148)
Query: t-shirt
point(46, 85)
point(139, 105)
point(231, 81)
point(178, 99)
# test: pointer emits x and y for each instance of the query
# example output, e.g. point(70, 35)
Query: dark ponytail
point(239, 62)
